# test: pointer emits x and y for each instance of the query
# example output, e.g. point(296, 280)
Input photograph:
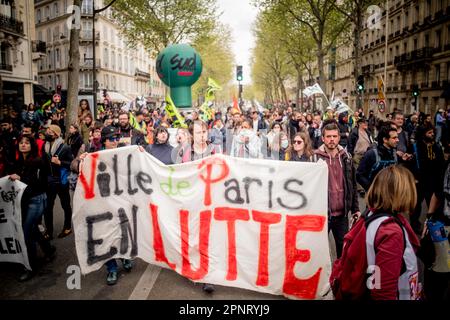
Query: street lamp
point(94, 76)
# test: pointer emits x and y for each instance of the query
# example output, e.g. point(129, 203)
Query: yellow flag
point(171, 109)
point(213, 86)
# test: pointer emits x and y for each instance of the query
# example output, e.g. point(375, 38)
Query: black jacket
point(75, 141)
point(33, 173)
point(366, 171)
point(54, 170)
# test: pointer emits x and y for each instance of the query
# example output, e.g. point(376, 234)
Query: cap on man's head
point(441, 110)
point(56, 129)
point(330, 108)
point(109, 132)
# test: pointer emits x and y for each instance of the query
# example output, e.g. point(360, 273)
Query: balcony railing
point(140, 73)
point(368, 69)
point(39, 46)
point(435, 84)
point(88, 63)
point(6, 67)
point(86, 35)
point(10, 24)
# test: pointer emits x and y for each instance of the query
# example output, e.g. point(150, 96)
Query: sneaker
point(48, 236)
point(26, 275)
point(65, 233)
point(111, 279)
point(208, 288)
point(127, 264)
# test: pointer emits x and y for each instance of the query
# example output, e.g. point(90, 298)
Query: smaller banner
point(309, 91)
point(12, 241)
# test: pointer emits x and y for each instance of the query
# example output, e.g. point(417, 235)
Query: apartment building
point(124, 72)
point(19, 53)
point(417, 53)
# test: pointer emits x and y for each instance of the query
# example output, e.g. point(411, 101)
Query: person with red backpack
point(379, 259)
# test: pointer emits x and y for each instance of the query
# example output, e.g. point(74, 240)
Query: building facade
point(19, 53)
point(126, 73)
point(416, 52)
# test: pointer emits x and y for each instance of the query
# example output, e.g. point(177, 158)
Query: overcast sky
point(240, 15)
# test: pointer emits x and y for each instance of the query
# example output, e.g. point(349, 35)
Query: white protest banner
point(254, 224)
point(12, 241)
point(309, 91)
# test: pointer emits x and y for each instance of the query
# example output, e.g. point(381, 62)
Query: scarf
point(51, 151)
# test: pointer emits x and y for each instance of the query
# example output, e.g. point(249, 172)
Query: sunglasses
point(113, 139)
point(298, 142)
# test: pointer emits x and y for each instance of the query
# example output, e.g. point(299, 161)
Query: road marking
point(145, 283)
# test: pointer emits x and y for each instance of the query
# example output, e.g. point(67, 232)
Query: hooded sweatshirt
point(336, 188)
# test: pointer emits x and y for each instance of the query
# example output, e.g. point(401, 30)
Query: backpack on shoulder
point(350, 273)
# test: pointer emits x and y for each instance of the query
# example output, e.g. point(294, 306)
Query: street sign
point(56, 98)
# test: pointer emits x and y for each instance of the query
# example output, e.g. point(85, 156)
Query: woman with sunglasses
point(300, 149)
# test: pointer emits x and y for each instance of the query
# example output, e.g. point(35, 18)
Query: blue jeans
point(34, 211)
point(111, 265)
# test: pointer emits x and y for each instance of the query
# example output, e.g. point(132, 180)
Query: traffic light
point(360, 84)
point(239, 73)
point(415, 91)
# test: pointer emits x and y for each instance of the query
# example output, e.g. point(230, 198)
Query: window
point(415, 43)
point(448, 71)
point(49, 35)
point(56, 9)
point(38, 15)
point(105, 57)
point(86, 7)
point(426, 76)
point(50, 82)
point(57, 56)
point(417, 15)
point(47, 12)
point(405, 46)
point(406, 21)
point(437, 42)
point(428, 8)
point(21, 58)
point(427, 40)
point(113, 60)
point(40, 36)
point(58, 79)
point(119, 64)
point(398, 24)
point(437, 72)
point(56, 34)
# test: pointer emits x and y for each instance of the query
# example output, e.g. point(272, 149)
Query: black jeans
point(339, 227)
point(62, 191)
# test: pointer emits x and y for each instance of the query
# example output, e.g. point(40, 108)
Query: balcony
point(142, 74)
point(445, 83)
point(39, 46)
point(415, 25)
point(424, 85)
point(88, 63)
point(10, 24)
point(439, 15)
point(403, 87)
point(377, 41)
point(6, 67)
point(86, 35)
point(397, 33)
point(368, 69)
point(394, 88)
point(383, 38)
point(435, 85)
point(427, 19)
point(414, 58)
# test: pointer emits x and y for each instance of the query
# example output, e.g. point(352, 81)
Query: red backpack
point(349, 273)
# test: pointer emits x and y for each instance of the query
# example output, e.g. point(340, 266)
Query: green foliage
point(158, 23)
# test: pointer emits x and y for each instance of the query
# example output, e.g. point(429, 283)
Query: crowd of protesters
point(38, 147)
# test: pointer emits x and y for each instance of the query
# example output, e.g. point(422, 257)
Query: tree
point(217, 56)
point(354, 11)
point(320, 17)
point(74, 72)
point(158, 23)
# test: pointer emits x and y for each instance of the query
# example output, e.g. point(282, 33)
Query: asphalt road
point(143, 282)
